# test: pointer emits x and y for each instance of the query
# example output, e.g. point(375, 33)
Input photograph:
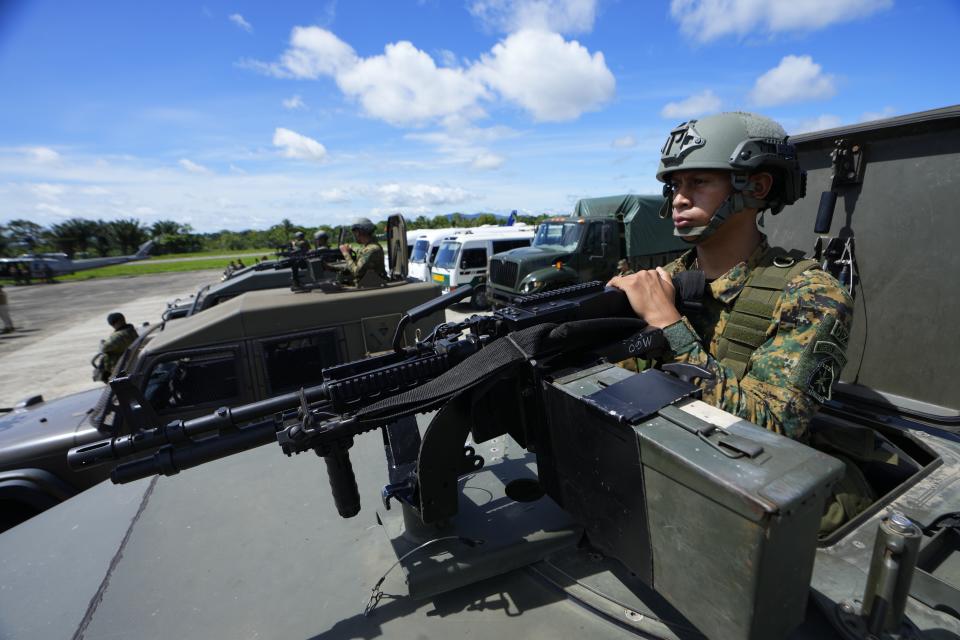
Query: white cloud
point(55, 209)
point(552, 78)
point(404, 86)
point(315, 52)
point(706, 20)
point(294, 102)
point(448, 58)
point(488, 161)
point(192, 166)
point(795, 79)
point(886, 112)
point(628, 141)
point(413, 195)
point(696, 105)
point(94, 191)
point(239, 20)
point(825, 121)
point(298, 146)
point(47, 191)
point(564, 16)
point(335, 194)
point(42, 155)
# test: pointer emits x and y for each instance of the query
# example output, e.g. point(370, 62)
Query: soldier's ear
point(760, 185)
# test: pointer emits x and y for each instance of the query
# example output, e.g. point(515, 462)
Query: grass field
point(269, 252)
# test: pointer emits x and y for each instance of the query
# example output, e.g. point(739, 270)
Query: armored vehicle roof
point(267, 312)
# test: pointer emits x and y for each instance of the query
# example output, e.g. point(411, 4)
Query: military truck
point(689, 537)
point(253, 278)
point(251, 347)
point(586, 245)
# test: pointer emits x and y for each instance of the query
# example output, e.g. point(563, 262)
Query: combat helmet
point(299, 235)
point(362, 224)
point(743, 143)
point(321, 234)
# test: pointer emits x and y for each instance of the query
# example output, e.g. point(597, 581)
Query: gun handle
point(343, 483)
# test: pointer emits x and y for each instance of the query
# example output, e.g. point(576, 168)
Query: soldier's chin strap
point(739, 200)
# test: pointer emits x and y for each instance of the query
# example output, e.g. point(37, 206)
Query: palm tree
point(73, 235)
point(129, 234)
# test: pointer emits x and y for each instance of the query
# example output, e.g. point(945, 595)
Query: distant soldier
point(240, 264)
point(321, 240)
point(367, 268)
point(47, 273)
point(623, 268)
point(4, 312)
point(113, 347)
point(298, 247)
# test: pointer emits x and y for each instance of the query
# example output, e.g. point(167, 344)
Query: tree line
point(79, 237)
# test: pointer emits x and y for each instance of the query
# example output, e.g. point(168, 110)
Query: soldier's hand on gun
point(651, 295)
point(345, 250)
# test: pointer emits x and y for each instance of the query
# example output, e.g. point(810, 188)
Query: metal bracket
point(848, 163)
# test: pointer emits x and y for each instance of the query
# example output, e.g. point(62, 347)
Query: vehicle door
point(183, 384)
point(289, 362)
point(473, 263)
point(600, 251)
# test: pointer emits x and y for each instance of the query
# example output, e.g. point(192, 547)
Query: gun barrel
point(171, 460)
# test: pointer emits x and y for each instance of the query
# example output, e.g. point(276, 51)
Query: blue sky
point(237, 114)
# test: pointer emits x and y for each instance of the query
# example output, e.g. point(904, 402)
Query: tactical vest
point(752, 313)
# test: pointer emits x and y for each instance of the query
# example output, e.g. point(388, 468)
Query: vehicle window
point(591, 246)
point(474, 258)
point(433, 254)
point(193, 380)
point(563, 236)
point(297, 362)
point(447, 255)
point(499, 246)
point(420, 250)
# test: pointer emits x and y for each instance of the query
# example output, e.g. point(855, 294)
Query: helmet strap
point(736, 202)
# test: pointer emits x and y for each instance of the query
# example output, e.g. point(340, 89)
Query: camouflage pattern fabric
point(300, 246)
point(369, 259)
point(793, 371)
point(114, 346)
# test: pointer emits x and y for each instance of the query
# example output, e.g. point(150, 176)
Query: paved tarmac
point(59, 328)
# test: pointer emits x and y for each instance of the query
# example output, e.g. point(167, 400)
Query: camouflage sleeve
point(790, 373)
point(359, 266)
point(114, 345)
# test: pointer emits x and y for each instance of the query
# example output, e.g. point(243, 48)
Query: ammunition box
point(716, 514)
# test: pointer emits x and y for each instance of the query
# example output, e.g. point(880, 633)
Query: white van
point(463, 257)
point(426, 242)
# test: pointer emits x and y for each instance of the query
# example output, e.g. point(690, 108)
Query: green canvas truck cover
point(645, 232)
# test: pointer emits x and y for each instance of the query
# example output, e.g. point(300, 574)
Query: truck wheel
point(479, 300)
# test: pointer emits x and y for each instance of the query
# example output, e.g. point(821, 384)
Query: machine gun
point(633, 458)
point(286, 259)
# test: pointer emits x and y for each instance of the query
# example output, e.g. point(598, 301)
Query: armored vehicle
point(554, 495)
point(253, 278)
point(254, 346)
point(586, 246)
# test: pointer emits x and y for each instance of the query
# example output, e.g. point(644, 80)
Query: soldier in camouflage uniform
point(298, 247)
point(367, 268)
point(772, 328)
point(113, 347)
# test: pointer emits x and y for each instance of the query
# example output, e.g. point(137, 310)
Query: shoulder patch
point(820, 383)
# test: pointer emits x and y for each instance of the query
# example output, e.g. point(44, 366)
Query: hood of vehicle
point(532, 258)
point(25, 434)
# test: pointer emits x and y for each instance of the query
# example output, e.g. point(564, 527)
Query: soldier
point(321, 240)
point(299, 247)
point(367, 268)
point(623, 268)
point(113, 347)
point(773, 328)
point(5, 313)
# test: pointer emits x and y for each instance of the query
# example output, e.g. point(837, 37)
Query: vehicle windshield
point(420, 250)
point(562, 236)
point(447, 256)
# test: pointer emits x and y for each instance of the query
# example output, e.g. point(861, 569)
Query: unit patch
point(820, 384)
